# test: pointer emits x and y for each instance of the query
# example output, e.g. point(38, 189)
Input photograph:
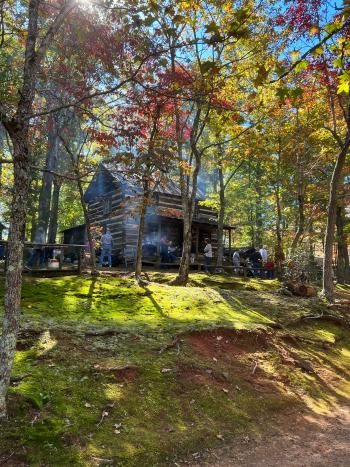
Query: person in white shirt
point(106, 247)
point(236, 262)
point(263, 253)
point(208, 254)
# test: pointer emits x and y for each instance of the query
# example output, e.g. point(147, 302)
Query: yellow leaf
point(295, 54)
point(314, 30)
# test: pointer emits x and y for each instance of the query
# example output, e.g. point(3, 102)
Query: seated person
point(171, 252)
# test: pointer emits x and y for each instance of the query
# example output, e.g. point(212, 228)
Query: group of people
point(167, 252)
point(257, 261)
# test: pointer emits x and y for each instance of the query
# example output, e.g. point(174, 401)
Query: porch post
point(197, 241)
point(229, 241)
point(159, 235)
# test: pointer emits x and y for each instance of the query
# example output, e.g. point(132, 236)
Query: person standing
point(236, 262)
point(37, 255)
point(263, 253)
point(106, 248)
point(208, 254)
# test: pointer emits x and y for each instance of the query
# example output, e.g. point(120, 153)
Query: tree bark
point(221, 216)
point(88, 227)
point(144, 204)
point(343, 267)
point(328, 286)
point(2, 136)
point(301, 203)
point(188, 185)
point(18, 129)
point(54, 211)
point(47, 177)
point(13, 282)
point(258, 206)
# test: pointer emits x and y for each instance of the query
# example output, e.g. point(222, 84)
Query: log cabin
point(113, 201)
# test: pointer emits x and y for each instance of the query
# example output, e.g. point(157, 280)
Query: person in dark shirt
point(256, 260)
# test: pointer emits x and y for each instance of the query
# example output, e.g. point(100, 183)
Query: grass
point(85, 400)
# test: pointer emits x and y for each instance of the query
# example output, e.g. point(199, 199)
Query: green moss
point(67, 381)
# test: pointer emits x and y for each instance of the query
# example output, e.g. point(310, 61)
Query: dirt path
point(301, 441)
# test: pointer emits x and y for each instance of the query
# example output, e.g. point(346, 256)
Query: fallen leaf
point(219, 338)
point(166, 370)
point(87, 405)
point(225, 390)
point(219, 436)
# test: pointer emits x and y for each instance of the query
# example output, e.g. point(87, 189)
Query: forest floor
point(110, 373)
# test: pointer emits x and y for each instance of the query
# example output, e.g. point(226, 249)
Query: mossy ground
point(79, 399)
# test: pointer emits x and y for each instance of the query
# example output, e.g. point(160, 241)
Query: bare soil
point(298, 440)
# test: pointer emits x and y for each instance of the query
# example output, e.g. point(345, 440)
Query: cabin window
point(107, 206)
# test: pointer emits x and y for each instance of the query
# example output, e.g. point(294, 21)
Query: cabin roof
point(168, 187)
point(76, 227)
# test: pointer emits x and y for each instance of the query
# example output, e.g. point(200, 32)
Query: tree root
point(322, 317)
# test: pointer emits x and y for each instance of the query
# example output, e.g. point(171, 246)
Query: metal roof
point(166, 187)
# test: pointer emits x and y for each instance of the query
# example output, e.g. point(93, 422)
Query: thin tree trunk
point(32, 208)
point(258, 206)
point(2, 136)
point(54, 211)
point(47, 177)
point(222, 206)
point(279, 255)
point(328, 286)
point(144, 204)
point(301, 203)
point(343, 269)
point(88, 226)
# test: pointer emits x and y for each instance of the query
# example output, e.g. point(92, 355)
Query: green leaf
point(207, 66)
point(301, 66)
point(338, 63)
point(344, 85)
point(211, 28)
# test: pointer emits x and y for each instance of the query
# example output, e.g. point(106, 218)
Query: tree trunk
point(13, 283)
point(47, 178)
point(88, 225)
point(258, 206)
point(144, 204)
point(300, 198)
point(301, 220)
point(343, 268)
point(279, 255)
point(18, 130)
point(221, 216)
point(54, 211)
point(328, 286)
point(182, 275)
point(2, 136)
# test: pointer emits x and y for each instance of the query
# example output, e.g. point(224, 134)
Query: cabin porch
point(172, 228)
